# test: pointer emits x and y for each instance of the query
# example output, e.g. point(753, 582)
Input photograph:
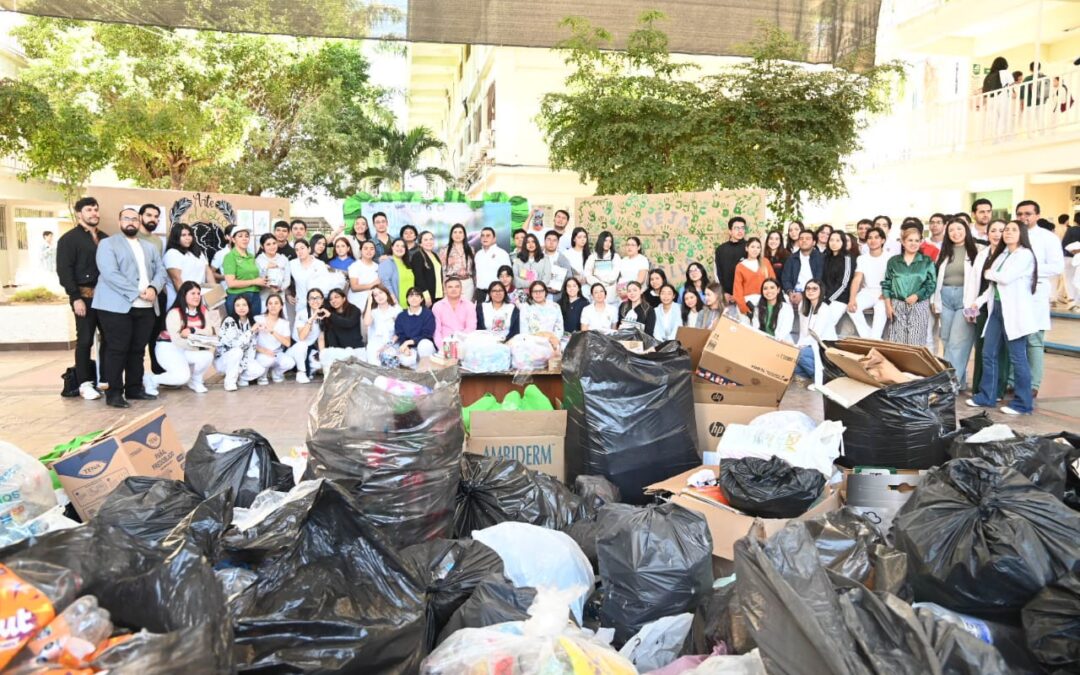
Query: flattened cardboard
point(847, 391)
point(908, 358)
point(145, 446)
point(727, 525)
point(536, 438)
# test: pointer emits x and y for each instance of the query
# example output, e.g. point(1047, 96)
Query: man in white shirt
point(981, 212)
point(565, 232)
point(1051, 262)
point(869, 273)
point(488, 260)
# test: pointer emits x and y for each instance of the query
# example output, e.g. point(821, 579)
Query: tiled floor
point(34, 417)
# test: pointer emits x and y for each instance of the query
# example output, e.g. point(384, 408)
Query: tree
point(204, 110)
point(634, 121)
point(400, 154)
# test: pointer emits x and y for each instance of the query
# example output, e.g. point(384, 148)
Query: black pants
point(155, 330)
point(126, 336)
point(85, 327)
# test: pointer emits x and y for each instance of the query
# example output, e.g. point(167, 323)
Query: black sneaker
point(116, 402)
point(142, 396)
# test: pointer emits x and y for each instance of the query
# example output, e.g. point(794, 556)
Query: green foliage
point(399, 156)
point(205, 110)
point(35, 295)
point(634, 121)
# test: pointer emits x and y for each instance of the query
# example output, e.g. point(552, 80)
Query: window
point(21, 240)
point(3, 228)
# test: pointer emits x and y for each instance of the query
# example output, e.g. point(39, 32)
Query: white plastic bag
point(544, 644)
point(530, 352)
point(26, 492)
point(787, 420)
point(817, 449)
point(542, 559)
point(658, 643)
point(746, 664)
point(483, 351)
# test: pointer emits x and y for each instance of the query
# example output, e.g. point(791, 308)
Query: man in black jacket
point(729, 254)
point(76, 267)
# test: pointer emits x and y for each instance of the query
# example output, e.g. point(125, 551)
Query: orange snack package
point(24, 610)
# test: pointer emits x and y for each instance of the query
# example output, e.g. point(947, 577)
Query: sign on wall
point(675, 228)
point(438, 217)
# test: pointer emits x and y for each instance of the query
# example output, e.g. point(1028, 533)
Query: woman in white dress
point(363, 275)
point(603, 267)
point(379, 319)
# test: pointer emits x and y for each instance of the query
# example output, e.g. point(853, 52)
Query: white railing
point(1036, 111)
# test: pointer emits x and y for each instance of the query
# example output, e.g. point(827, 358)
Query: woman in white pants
point(235, 355)
point(272, 338)
point(305, 334)
point(184, 361)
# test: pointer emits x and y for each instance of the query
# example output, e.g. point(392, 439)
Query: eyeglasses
point(539, 291)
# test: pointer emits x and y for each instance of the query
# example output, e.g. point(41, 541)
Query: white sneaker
point(87, 391)
point(1009, 411)
point(149, 385)
point(972, 404)
point(302, 378)
point(231, 386)
point(277, 377)
point(243, 383)
point(197, 387)
point(262, 381)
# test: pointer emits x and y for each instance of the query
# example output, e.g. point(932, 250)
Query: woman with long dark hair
point(603, 266)
point(306, 331)
point(749, 275)
point(275, 267)
point(993, 236)
point(791, 241)
point(379, 318)
point(815, 323)
point(457, 261)
point(837, 272)
point(578, 253)
point(572, 304)
point(634, 312)
point(775, 251)
point(599, 315)
point(697, 278)
point(668, 315)
point(656, 280)
point(272, 338)
point(497, 314)
point(183, 359)
point(773, 314)
point(713, 307)
point(530, 264)
point(821, 237)
point(341, 335)
point(427, 269)
point(184, 260)
point(320, 248)
point(1011, 316)
point(235, 353)
point(954, 296)
point(690, 306)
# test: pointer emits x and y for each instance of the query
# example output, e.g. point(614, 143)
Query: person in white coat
point(1050, 261)
point(305, 334)
point(816, 322)
point(955, 293)
point(773, 315)
point(1012, 317)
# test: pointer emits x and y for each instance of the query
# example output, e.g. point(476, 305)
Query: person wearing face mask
point(131, 275)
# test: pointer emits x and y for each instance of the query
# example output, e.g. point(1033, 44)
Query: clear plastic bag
point(26, 492)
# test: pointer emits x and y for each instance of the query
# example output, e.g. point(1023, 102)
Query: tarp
point(830, 29)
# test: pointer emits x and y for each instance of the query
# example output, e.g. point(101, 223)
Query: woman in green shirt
point(242, 275)
point(910, 280)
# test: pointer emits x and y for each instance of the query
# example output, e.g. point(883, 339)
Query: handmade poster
point(440, 216)
point(675, 228)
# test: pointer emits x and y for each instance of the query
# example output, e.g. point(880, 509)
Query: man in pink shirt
point(452, 314)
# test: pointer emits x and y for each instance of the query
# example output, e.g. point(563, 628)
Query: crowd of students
point(294, 303)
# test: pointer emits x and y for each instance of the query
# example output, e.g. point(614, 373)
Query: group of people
point(299, 303)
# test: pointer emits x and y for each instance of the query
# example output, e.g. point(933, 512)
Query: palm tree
point(400, 153)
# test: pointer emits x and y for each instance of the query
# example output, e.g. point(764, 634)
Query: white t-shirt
point(602, 319)
point(382, 325)
point(576, 260)
point(365, 274)
point(302, 277)
point(872, 269)
point(806, 272)
point(498, 320)
point(629, 268)
point(268, 341)
point(565, 241)
point(301, 318)
point(144, 275)
point(487, 264)
point(192, 268)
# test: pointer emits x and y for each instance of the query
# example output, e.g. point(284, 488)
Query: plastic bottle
point(68, 639)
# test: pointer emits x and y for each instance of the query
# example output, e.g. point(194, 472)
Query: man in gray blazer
point(130, 276)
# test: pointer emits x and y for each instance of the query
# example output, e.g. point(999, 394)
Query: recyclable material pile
point(391, 550)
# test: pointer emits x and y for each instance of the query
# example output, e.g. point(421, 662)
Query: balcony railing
point(1034, 111)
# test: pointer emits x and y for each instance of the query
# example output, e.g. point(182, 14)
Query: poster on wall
point(439, 217)
point(675, 228)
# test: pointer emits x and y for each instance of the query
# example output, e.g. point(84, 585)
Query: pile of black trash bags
point(369, 562)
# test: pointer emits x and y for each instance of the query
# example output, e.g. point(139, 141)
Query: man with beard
point(149, 217)
point(131, 275)
point(76, 267)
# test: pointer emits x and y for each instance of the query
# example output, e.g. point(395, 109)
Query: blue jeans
point(995, 334)
point(957, 333)
point(254, 302)
point(805, 364)
point(1035, 343)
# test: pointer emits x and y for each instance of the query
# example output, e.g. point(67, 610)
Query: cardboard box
point(213, 296)
point(859, 383)
point(536, 438)
point(144, 446)
point(712, 421)
point(762, 366)
point(728, 525)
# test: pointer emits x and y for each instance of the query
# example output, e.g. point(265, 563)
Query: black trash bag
point(978, 422)
point(398, 454)
point(585, 531)
point(451, 569)
point(1052, 624)
point(494, 600)
point(902, 426)
point(983, 540)
point(849, 544)
point(332, 594)
point(204, 528)
point(169, 592)
point(1041, 458)
point(654, 562)
point(148, 508)
point(630, 417)
point(242, 461)
point(769, 488)
point(596, 491)
point(958, 651)
point(1008, 639)
point(802, 625)
point(720, 622)
point(1072, 471)
point(495, 490)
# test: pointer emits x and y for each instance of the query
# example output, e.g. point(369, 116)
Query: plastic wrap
point(984, 540)
point(902, 426)
point(658, 643)
point(331, 595)
point(484, 352)
point(1042, 459)
point(539, 558)
point(630, 417)
point(398, 453)
point(26, 492)
point(530, 352)
point(495, 490)
point(654, 562)
point(770, 488)
point(241, 461)
point(451, 569)
point(545, 643)
point(1052, 624)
